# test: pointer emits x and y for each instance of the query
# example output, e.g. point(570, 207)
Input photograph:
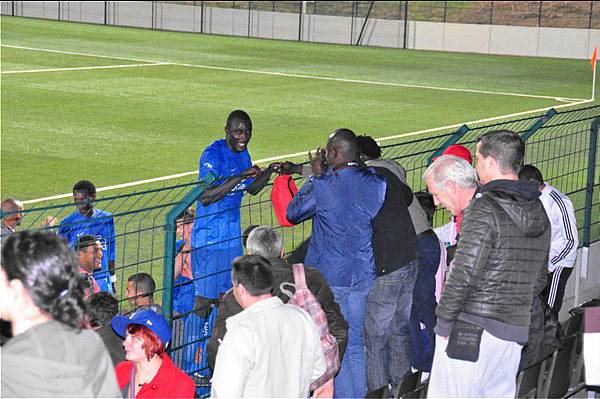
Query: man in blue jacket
point(342, 202)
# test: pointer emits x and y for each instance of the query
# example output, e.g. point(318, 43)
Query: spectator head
point(499, 156)
point(452, 183)
point(39, 278)
point(101, 308)
point(89, 250)
point(246, 233)
point(140, 289)
point(531, 173)
point(252, 279)
point(146, 334)
point(84, 195)
point(368, 148)
point(185, 222)
point(426, 201)
point(238, 130)
point(460, 151)
point(12, 212)
point(342, 146)
point(266, 242)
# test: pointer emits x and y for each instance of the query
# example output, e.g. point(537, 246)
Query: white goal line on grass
point(301, 76)
point(83, 68)
point(298, 154)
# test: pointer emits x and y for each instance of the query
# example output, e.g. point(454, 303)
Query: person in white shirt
point(270, 349)
point(565, 240)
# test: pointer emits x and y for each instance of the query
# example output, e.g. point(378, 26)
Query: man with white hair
point(484, 313)
point(267, 242)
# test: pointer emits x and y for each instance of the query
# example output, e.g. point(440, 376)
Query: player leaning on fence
point(216, 231)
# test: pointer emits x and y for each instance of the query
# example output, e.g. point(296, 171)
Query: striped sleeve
point(565, 239)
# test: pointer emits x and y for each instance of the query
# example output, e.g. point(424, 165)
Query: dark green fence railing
point(563, 145)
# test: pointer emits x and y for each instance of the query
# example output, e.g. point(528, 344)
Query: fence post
point(169, 245)
point(362, 30)
point(405, 24)
point(300, 23)
point(538, 124)
point(589, 195)
point(451, 140)
point(201, 17)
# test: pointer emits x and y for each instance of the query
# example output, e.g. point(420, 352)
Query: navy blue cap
point(147, 318)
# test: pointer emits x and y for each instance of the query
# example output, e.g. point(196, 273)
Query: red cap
point(458, 151)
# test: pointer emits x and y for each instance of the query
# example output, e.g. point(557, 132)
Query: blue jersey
point(101, 225)
point(216, 235)
point(217, 224)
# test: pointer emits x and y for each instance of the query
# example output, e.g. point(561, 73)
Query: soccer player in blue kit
point(216, 235)
point(88, 220)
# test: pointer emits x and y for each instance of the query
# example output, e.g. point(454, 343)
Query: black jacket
point(394, 239)
point(282, 272)
point(500, 262)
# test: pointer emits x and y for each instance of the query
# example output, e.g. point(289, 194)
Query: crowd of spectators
point(465, 304)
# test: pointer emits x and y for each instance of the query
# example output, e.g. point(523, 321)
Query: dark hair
point(152, 344)
point(369, 147)
point(239, 116)
point(143, 283)
point(530, 172)
point(47, 267)
point(187, 216)
point(84, 241)
point(426, 201)
point(506, 147)
point(246, 233)
point(101, 307)
point(344, 140)
point(254, 272)
point(85, 185)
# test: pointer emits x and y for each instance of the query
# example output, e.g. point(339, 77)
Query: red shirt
point(169, 382)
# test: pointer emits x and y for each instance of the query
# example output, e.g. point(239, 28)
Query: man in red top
point(89, 250)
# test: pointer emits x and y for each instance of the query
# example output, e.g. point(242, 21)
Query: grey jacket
point(53, 360)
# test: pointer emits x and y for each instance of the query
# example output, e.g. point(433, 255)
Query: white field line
point(297, 154)
point(300, 76)
point(82, 68)
point(76, 53)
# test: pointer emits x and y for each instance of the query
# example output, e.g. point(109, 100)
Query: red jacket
point(169, 382)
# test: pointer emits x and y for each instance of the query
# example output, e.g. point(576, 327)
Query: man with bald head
point(342, 203)
point(12, 214)
point(216, 232)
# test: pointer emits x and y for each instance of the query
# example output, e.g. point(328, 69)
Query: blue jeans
point(387, 327)
point(424, 304)
point(351, 380)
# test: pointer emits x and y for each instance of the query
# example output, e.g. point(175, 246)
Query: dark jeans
point(387, 327)
point(424, 304)
point(351, 380)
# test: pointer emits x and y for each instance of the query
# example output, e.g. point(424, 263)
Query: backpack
point(305, 299)
point(282, 193)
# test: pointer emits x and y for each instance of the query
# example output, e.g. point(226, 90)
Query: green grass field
point(118, 125)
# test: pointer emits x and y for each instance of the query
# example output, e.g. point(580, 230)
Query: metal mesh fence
point(560, 144)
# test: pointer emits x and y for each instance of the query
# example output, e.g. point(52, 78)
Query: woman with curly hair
point(50, 354)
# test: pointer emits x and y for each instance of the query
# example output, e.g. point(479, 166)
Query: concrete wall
point(487, 39)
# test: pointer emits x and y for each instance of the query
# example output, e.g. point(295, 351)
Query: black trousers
point(555, 288)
